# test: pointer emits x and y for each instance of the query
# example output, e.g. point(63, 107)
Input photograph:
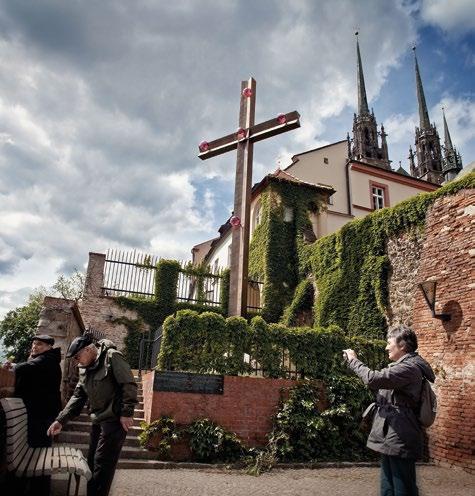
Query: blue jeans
point(398, 476)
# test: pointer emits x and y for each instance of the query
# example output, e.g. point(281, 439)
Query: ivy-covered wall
point(152, 312)
point(351, 267)
point(276, 253)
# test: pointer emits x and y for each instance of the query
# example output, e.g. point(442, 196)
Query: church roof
point(295, 157)
point(280, 175)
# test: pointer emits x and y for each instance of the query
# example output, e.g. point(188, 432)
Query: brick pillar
point(95, 275)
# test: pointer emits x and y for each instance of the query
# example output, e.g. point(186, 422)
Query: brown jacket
point(395, 430)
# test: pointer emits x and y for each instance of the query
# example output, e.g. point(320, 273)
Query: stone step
point(127, 453)
point(85, 426)
point(74, 437)
point(84, 417)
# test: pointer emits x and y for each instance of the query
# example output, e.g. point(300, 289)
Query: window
point(229, 256)
point(288, 214)
point(325, 160)
point(378, 197)
point(257, 215)
point(330, 200)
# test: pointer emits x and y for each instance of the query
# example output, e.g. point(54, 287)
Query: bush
point(210, 443)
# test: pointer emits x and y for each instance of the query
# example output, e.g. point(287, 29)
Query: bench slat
point(25, 462)
point(13, 459)
point(30, 468)
point(55, 459)
point(40, 465)
point(48, 462)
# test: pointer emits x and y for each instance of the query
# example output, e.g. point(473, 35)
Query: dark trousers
point(398, 476)
point(106, 442)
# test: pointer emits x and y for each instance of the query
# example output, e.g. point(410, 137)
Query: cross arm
point(258, 132)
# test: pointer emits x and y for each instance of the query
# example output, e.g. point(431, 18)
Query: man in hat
point(106, 381)
point(37, 383)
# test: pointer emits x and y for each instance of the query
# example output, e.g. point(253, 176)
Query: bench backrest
point(17, 426)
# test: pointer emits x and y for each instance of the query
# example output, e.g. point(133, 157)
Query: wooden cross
point(243, 140)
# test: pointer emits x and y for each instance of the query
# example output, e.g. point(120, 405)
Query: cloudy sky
point(103, 103)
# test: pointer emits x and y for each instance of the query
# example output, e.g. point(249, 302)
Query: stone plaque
point(185, 382)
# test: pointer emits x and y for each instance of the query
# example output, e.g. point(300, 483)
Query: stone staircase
point(76, 434)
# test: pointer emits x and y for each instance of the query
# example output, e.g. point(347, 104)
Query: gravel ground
point(356, 481)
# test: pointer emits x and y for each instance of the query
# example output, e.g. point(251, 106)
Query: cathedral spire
point(428, 150)
point(448, 139)
point(362, 100)
point(424, 122)
point(452, 161)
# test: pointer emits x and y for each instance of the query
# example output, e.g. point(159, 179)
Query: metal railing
point(149, 350)
point(133, 274)
point(129, 273)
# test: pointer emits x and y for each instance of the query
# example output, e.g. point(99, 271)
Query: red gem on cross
point(235, 222)
point(281, 118)
point(247, 92)
point(203, 146)
point(241, 133)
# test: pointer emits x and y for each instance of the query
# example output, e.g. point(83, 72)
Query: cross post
point(243, 141)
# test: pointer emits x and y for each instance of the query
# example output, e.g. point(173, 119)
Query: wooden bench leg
point(69, 484)
point(78, 482)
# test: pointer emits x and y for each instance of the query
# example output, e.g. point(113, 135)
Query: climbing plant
point(277, 248)
point(351, 267)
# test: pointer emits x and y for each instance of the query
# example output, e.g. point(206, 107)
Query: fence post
point(95, 274)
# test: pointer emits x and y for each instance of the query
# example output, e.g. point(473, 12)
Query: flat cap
point(44, 338)
point(78, 344)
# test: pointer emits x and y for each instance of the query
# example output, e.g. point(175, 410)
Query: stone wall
point(404, 253)
point(102, 312)
point(448, 256)
point(61, 319)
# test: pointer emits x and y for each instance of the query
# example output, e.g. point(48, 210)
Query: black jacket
point(396, 430)
point(38, 382)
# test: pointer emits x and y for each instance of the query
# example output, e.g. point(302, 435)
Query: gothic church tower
point(365, 132)
point(452, 161)
point(428, 152)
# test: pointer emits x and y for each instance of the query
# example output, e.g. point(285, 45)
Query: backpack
point(428, 404)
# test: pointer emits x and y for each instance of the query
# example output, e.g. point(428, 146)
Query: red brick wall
point(448, 255)
point(246, 407)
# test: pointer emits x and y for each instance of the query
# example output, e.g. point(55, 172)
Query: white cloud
point(101, 111)
point(453, 16)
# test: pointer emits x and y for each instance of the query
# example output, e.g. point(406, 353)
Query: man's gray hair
point(404, 336)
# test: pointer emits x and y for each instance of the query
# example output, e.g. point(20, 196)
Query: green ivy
point(303, 431)
point(209, 343)
point(299, 312)
point(277, 249)
point(351, 266)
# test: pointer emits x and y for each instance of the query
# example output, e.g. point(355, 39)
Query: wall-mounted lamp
point(428, 289)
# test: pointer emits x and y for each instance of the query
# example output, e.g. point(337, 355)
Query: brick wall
point(246, 406)
point(448, 256)
point(101, 312)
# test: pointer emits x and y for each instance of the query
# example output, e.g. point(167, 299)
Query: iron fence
point(203, 288)
point(133, 274)
point(129, 274)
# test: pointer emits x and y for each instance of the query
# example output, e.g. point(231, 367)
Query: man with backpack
point(397, 427)
point(107, 383)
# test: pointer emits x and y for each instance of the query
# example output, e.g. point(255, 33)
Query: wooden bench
point(33, 462)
